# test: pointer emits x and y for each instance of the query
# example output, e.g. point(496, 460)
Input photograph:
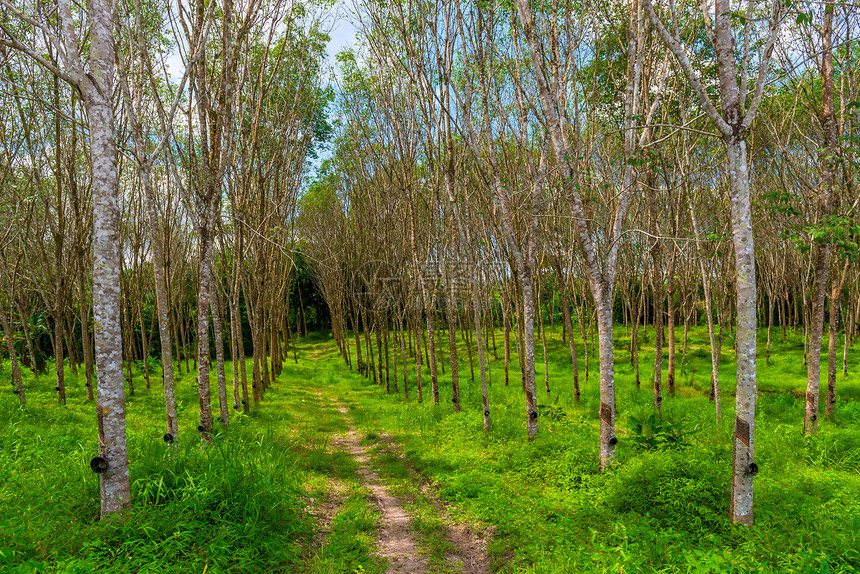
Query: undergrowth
point(239, 504)
point(663, 507)
point(272, 494)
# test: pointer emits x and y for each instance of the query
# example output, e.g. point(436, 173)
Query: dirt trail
point(396, 543)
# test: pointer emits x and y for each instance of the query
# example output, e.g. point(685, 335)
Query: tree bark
point(110, 406)
point(224, 409)
point(204, 285)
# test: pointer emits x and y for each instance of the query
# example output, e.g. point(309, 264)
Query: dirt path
point(396, 542)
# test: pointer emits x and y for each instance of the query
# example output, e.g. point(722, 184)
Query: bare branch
point(675, 47)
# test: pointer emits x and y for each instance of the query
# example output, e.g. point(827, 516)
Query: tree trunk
point(813, 371)
point(204, 286)
point(603, 301)
point(224, 409)
point(110, 406)
point(741, 507)
point(528, 345)
point(670, 315)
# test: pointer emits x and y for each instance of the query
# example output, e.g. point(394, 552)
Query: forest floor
point(330, 473)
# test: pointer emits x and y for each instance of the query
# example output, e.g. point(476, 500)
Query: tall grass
point(239, 504)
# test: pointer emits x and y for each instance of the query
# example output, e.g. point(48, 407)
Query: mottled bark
point(607, 378)
point(813, 364)
point(114, 482)
point(204, 286)
point(828, 179)
point(529, 358)
point(741, 509)
point(733, 121)
point(97, 87)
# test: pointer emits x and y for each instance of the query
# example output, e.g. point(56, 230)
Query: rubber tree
point(94, 79)
point(739, 103)
point(600, 267)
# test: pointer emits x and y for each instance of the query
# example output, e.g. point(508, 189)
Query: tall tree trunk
point(733, 121)
point(822, 262)
point(741, 507)
point(670, 315)
point(204, 287)
point(528, 345)
point(219, 357)
point(114, 481)
point(819, 291)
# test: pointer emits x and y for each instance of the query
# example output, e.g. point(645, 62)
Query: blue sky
point(342, 33)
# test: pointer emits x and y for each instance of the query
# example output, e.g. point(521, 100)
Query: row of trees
point(624, 161)
point(151, 157)
point(637, 159)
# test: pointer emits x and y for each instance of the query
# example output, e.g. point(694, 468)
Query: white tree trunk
point(744, 469)
point(110, 405)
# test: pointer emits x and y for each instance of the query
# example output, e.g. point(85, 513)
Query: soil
point(396, 542)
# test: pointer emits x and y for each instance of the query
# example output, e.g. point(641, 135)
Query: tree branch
point(687, 67)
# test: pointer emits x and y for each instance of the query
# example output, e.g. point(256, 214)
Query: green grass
point(239, 505)
point(662, 510)
point(254, 501)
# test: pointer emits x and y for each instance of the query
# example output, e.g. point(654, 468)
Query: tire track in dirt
point(396, 542)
